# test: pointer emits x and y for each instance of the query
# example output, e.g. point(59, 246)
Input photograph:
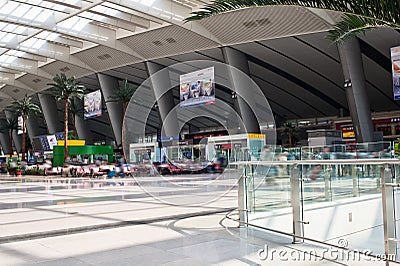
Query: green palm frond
point(351, 26)
point(26, 106)
point(378, 9)
point(367, 14)
point(124, 93)
point(75, 106)
point(64, 87)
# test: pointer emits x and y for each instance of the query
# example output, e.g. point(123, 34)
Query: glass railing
point(338, 201)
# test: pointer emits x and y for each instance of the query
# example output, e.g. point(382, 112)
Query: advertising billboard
point(92, 104)
point(51, 139)
point(395, 55)
point(20, 124)
point(197, 88)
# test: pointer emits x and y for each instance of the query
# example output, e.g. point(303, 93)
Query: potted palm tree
point(64, 88)
point(25, 107)
point(123, 95)
point(358, 15)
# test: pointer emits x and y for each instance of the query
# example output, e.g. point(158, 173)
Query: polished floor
point(177, 220)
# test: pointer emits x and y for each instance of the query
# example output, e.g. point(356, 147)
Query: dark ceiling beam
point(340, 87)
point(291, 94)
point(329, 100)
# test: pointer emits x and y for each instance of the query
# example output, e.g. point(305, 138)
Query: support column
point(295, 180)
point(32, 127)
point(50, 113)
point(5, 142)
point(109, 85)
point(83, 130)
point(162, 83)
point(239, 60)
point(388, 208)
point(16, 137)
point(353, 72)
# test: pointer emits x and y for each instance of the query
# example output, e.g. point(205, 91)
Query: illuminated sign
point(348, 132)
point(256, 136)
point(72, 142)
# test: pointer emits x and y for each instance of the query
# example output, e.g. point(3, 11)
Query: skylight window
point(74, 23)
point(33, 44)
point(45, 15)
point(106, 10)
point(6, 37)
point(10, 28)
point(147, 2)
point(20, 30)
point(8, 8)
point(33, 13)
point(45, 35)
point(20, 11)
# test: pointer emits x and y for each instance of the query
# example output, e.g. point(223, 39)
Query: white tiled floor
point(172, 240)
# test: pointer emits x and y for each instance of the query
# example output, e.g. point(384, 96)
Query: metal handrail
point(321, 162)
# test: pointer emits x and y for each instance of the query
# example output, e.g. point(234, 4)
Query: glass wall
point(337, 191)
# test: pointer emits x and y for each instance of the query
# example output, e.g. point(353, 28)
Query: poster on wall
point(20, 124)
point(92, 104)
point(52, 140)
point(197, 88)
point(395, 55)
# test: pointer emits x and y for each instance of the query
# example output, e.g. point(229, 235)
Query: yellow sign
point(256, 136)
point(348, 135)
point(72, 142)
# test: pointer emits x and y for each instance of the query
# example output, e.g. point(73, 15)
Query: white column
point(50, 113)
point(109, 85)
point(239, 60)
point(354, 82)
point(161, 85)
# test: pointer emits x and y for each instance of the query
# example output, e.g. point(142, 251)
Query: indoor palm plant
point(64, 88)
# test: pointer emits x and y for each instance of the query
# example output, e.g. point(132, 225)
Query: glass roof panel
point(10, 28)
point(21, 11)
point(5, 37)
point(147, 2)
point(106, 10)
point(8, 8)
point(33, 13)
point(74, 23)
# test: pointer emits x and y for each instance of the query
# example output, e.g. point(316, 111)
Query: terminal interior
point(244, 131)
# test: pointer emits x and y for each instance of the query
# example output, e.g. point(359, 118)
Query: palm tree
point(75, 108)
point(64, 88)
point(123, 95)
point(290, 130)
point(358, 15)
point(9, 125)
point(25, 107)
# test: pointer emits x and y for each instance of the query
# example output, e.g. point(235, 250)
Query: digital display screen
point(348, 132)
point(197, 88)
point(92, 104)
point(395, 56)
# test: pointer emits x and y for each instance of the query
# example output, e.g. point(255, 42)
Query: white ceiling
point(40, 38)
